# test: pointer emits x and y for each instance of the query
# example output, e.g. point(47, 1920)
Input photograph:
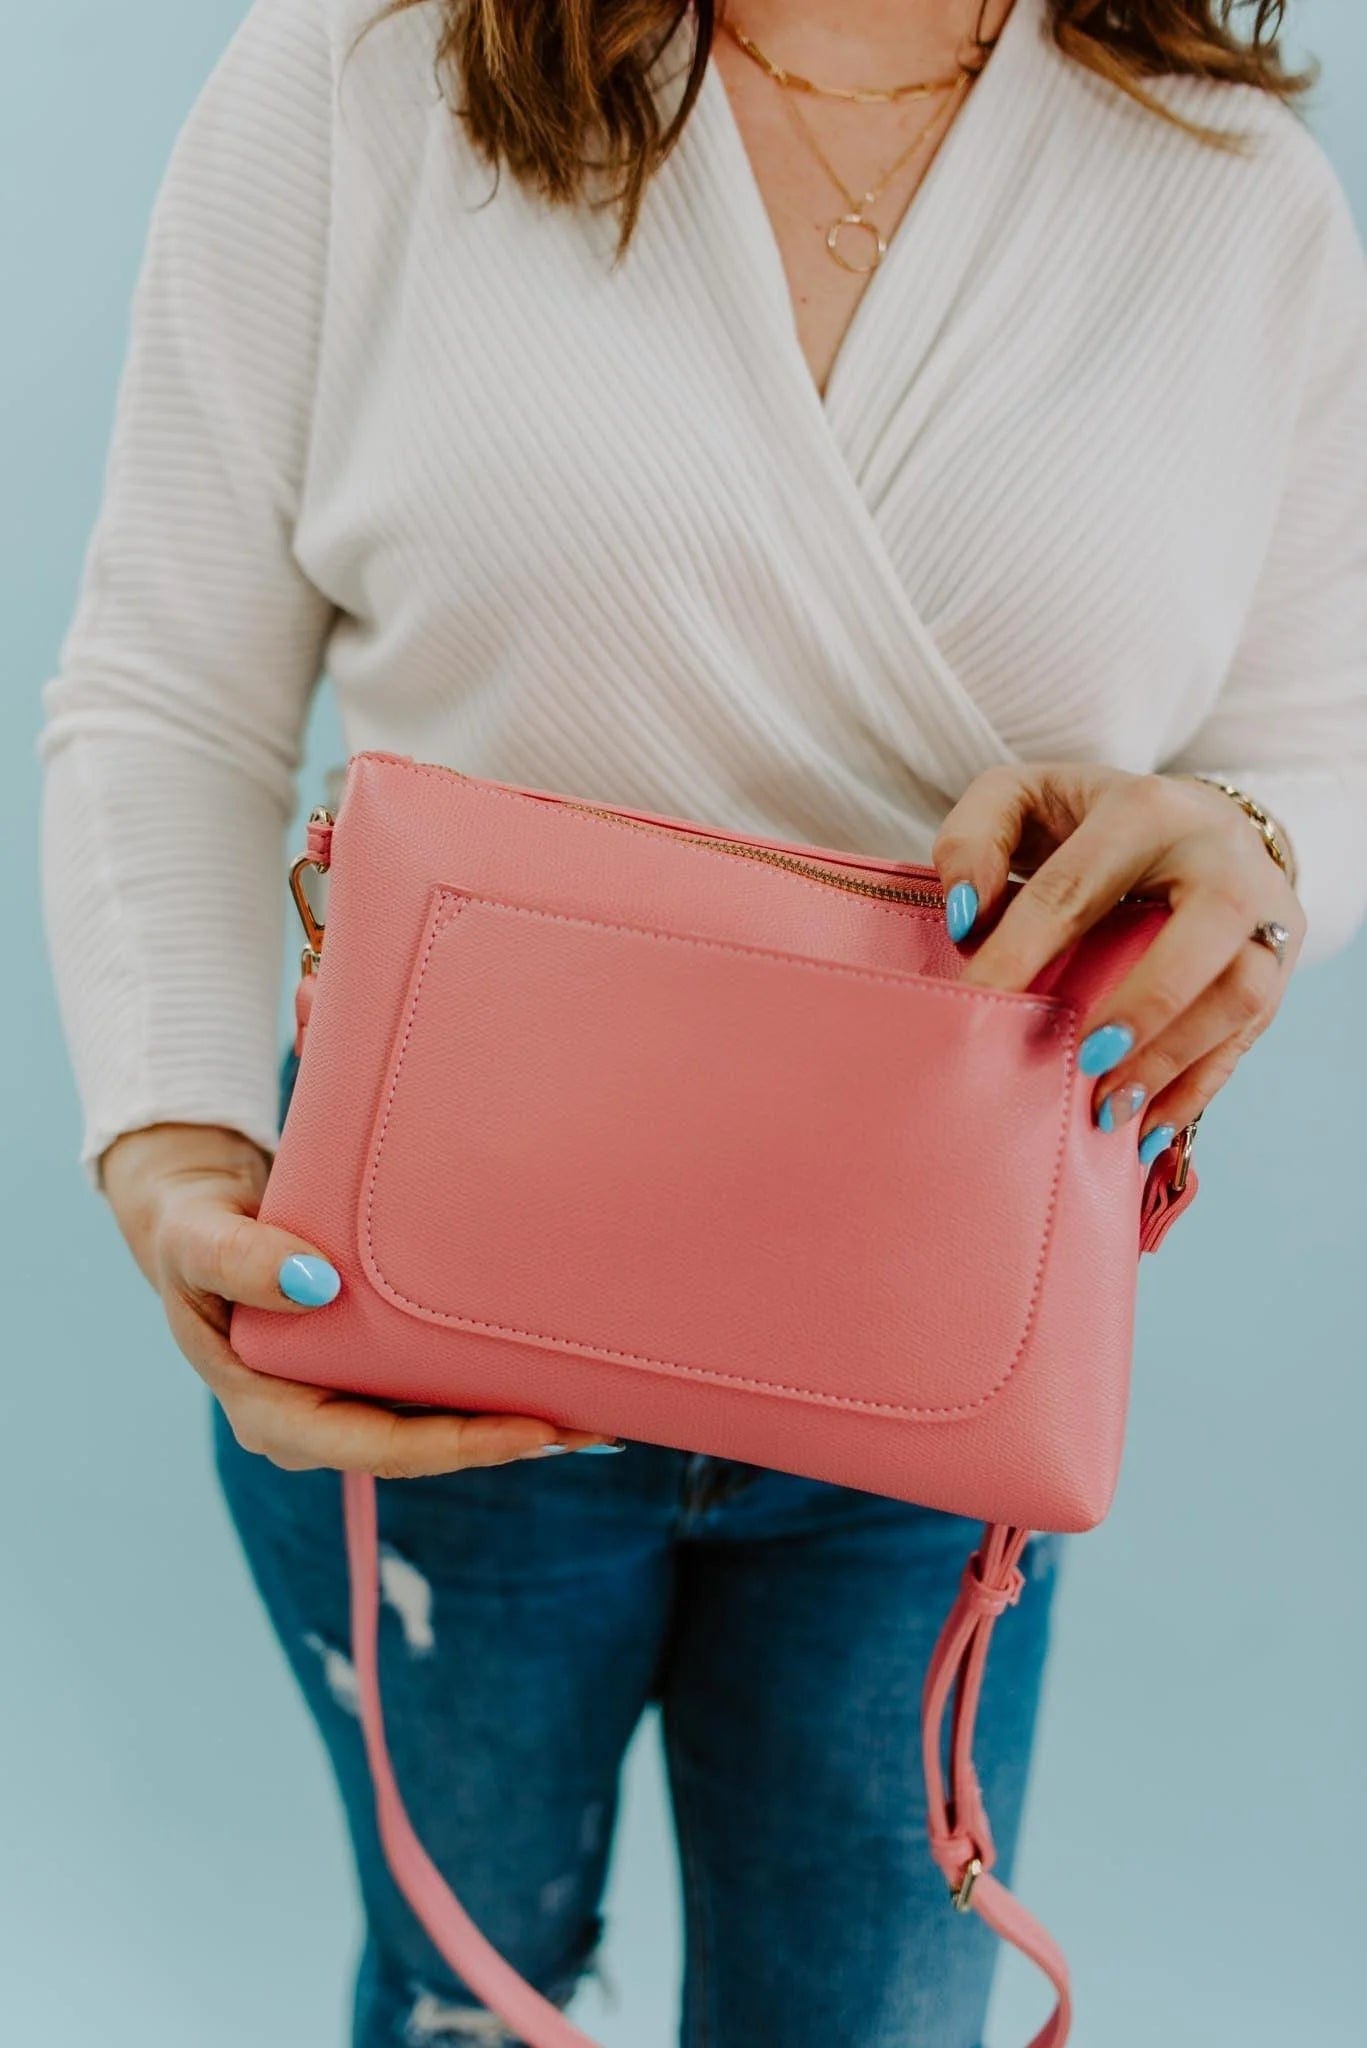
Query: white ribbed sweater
point(1089, 481)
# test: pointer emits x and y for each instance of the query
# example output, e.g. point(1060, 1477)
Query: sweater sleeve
point(1290, 724)
point(174, 722)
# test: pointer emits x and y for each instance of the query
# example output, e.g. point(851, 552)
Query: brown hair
point(558, 91)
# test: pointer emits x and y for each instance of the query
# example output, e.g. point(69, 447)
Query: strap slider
point(962, 1858)
point(1186, 1139)
point(985, 1598)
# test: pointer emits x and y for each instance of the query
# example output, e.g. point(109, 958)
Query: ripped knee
point(439, 2019)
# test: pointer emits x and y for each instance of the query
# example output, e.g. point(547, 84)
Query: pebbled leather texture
point(609, 1126)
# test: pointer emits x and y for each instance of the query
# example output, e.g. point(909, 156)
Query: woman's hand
point(185, 1197)
point(1171, 1033)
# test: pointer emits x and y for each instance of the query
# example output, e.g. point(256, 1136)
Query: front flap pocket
point(831, 1182)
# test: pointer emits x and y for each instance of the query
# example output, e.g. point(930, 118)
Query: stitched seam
point(449, 904)
point(1050, 1006)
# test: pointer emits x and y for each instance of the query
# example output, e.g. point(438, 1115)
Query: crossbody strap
point(960, 1838)
point(452, 1932)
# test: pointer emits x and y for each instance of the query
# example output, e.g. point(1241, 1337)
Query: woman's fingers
point(975, 844)
point(1201, 944)
point(211, 1249)
point(1226, 1017)
point(1161, 1043)
point(211, 1255)
point(1109, 850)
point(1203, 980)
point(302, 1428)
point(1197, 1086)
point(310, 1428)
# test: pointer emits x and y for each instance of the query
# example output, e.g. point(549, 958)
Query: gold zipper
point(790, 863)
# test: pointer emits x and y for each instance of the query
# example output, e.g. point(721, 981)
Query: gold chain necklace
point(863, 95)
point(855, 221)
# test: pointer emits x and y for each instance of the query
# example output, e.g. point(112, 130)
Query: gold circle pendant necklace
point(853, 228)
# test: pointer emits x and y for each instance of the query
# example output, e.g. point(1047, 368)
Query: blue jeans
point(532, 1611)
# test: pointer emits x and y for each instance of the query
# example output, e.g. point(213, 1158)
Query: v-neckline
point(814, 445)
point(913, 226)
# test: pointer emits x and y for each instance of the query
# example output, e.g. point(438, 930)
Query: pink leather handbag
point(698, 1139)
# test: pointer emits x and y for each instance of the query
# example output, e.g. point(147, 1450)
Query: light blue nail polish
point(600, 1450)
point(551, 1451)
point(1158, 1140)
point(961, 911)
point(1104, 1048)
point(1120, 1105)
point(310, 1282)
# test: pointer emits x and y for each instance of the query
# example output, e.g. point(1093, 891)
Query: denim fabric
point(531, 1612)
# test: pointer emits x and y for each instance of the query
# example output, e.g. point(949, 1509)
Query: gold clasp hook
point(313, 930)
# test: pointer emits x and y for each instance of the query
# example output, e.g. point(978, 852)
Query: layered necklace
point(852, 235)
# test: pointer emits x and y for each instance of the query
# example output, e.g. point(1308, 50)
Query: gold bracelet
point(1267, 828)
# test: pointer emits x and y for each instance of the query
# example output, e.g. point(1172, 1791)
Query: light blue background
point(172, 1869)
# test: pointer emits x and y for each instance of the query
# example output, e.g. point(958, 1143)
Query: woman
point(884, 423)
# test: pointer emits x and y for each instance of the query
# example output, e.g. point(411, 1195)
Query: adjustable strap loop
point(960, 1837)
point(320, 838)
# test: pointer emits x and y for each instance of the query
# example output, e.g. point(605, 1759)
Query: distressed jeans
point(531, 1612)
